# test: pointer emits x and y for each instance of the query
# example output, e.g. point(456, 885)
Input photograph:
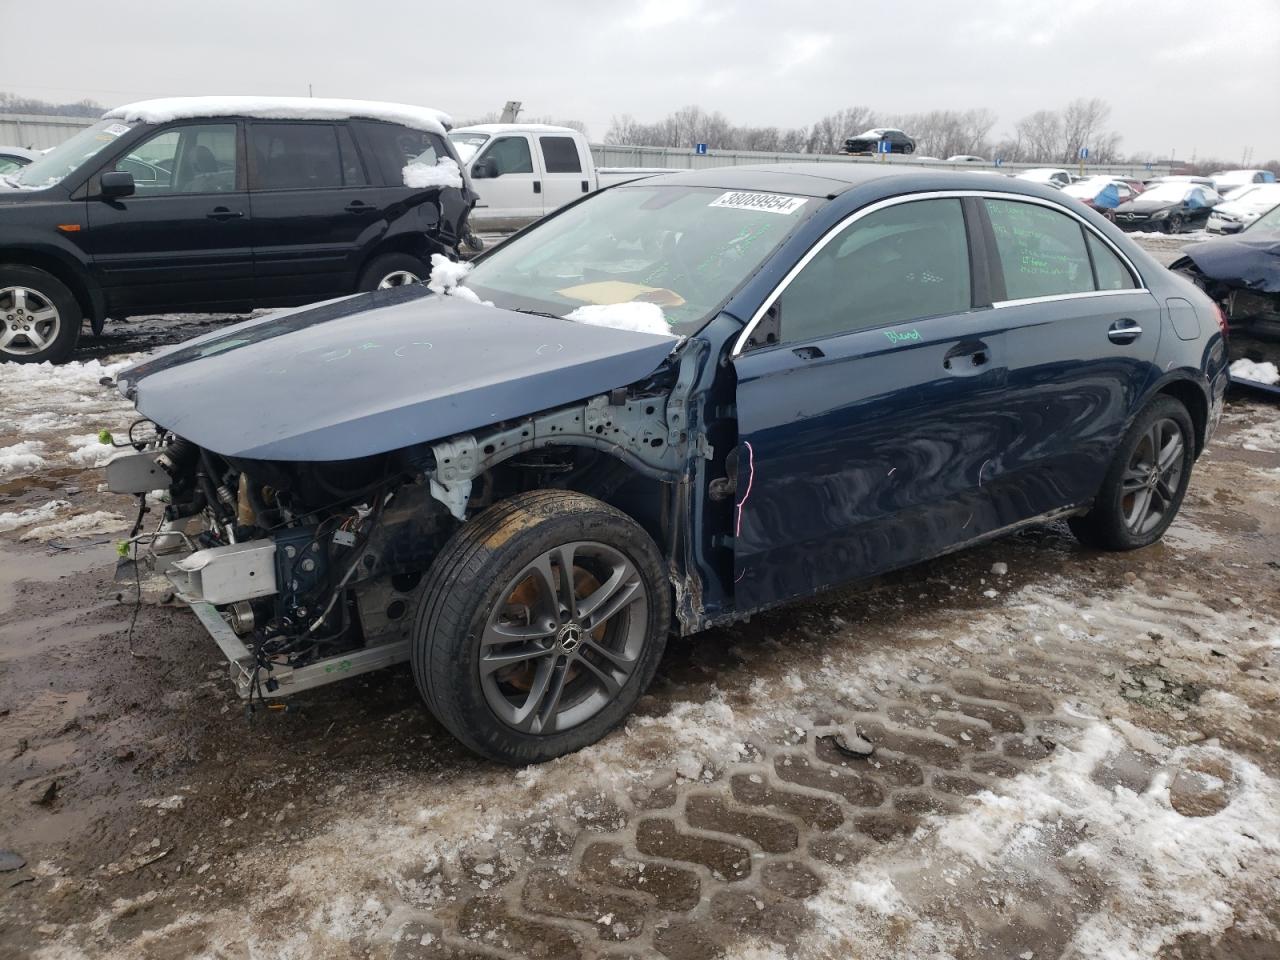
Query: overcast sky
point(1191, 76)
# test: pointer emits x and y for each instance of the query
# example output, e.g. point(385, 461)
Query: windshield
point(685, 249)
point(69, 155)
point(467, 144)
point(1267, 223)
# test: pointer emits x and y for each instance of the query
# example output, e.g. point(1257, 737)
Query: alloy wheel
point(398, 278)
point(29, 322)
point(1151, 479)
point(564, 639)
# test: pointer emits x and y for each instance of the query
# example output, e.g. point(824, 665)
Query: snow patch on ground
point(21, 458)
point(81, 525)
point(640, 317)
point(26, 518)
point(1245, 369)
point(421, 176)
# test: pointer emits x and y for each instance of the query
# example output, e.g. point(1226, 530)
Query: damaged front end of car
point(306, 571)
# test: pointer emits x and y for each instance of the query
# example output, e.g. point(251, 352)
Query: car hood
point(1240, 261)
point(378, 372)
point(1145, 206)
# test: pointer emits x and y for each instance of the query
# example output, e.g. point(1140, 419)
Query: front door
point(562, 164)
point(869, 409)
point(312, 204)
point(182, 240)
point(511, 187)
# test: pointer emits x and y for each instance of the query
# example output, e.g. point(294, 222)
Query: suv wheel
point(392, 270)
point(1146, 483)
point(39, 317)
point(543, 622)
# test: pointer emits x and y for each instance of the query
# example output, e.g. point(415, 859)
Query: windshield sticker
point(117, 129)
point(768, 202)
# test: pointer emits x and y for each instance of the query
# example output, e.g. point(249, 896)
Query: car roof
point(281, 108)
point(829, 179)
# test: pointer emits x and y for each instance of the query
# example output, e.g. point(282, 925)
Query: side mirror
point(485, 169)
point(117, 184)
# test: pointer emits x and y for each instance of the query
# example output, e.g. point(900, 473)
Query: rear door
point(182, 241)
point(311, 207)
point(564, 177)
point(870, 408)
point(512, 196)
point(1082, 335)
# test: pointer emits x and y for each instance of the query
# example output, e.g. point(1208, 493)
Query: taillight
point(1222, 320)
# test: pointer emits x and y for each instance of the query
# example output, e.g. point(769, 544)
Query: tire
point(392, 270)
point(564, 682)
point(909, 148)
point(1132, 509)
point(1174, 223)
point(51, 313)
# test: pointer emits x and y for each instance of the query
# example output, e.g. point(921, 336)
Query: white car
point(1226, 179)
point(1053, 176)
point(1243, 207)
point(13, 159)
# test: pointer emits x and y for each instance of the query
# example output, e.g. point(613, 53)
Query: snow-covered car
point(1225, 180)
point(1053, 176)
point(523, 171)
point(966, 158)
point(1168, 207)
point(663, 408)
point(221, 204)
point(868, 141)
point(13, 159)
point(1101, 193)
point(1245, 205)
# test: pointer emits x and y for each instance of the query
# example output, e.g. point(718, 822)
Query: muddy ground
point(1075, 755)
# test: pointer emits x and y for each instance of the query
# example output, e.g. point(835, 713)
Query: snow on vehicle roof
point(281, 108)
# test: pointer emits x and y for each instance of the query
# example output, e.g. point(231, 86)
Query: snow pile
point(1244, 369)
point(87, 450)
point(444, 173)
point(281, 108)
point(447, 276)
point(80, 525)
point(21, 458)
point(25, 518)
point(639, 317)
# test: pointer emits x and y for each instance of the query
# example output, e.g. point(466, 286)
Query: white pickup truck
point(523, 171)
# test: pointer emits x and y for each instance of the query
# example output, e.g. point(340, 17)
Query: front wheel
point(39, 317)
point(1174, 224)
point(1144, 487)
point(392, 270)
point(543, 622)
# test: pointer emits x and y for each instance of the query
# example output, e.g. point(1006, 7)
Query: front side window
point(510, 155)
point(200, 158)
point(560, 154)
point(903, 263)
point(1041, 251)
point(295, 156)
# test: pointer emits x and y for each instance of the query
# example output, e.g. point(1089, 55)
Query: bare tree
point(1040, 135)
point(1082, 126)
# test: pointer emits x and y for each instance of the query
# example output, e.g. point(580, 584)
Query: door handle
point(537, 186)
point(358, 206)
point(1124, 330)
point(222, 213)
point(808, 353)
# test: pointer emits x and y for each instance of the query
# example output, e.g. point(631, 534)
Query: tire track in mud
point(686, 870)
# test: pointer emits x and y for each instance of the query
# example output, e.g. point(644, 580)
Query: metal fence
point(613, 155)
point(39, 133)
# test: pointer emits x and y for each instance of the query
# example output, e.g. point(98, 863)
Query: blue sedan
point(667, 406)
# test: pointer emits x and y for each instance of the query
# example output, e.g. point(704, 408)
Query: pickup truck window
point(511, 155)
point(468, 143)
point(687, 249)
point(560, 155)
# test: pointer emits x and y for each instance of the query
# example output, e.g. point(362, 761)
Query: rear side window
point(1041, 251)
point(295, 156)
point(903, 263)
point(1110, 272)
point(560, 155)
point(395, 147)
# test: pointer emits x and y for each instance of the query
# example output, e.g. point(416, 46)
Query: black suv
point(213, 205)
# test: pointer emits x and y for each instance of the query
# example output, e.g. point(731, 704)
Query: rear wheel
point(543, 622)
point(1144, 487)
point(39, 317)
point(392, 270)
